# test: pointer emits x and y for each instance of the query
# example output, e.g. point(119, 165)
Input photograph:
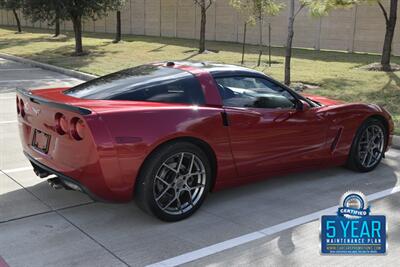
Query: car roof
point(215, 69)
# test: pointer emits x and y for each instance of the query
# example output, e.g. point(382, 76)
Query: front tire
point(174, 181)
point(368, 146)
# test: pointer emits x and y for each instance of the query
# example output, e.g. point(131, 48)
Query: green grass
point(337, 73)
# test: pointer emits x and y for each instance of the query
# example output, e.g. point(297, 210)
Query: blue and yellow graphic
point(353, 230)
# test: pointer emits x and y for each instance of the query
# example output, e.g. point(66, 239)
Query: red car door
point(267, 131)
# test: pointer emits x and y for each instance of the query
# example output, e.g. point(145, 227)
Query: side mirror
point(302, 105)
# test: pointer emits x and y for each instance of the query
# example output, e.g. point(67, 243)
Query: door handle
point(284, 116)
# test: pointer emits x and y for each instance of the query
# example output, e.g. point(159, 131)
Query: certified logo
point(353, 230)
point(354, 205)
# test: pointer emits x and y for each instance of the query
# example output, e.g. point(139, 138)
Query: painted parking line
point(6, 122)
point(20, 69)
point(46, 79)
point(231, 243)
point(7, 171)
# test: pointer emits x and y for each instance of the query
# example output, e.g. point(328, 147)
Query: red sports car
point(168, 133)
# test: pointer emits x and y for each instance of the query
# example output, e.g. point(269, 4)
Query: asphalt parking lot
point(274, 222)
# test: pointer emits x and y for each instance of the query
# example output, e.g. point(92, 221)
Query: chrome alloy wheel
point(179, 183)
point(371, 145)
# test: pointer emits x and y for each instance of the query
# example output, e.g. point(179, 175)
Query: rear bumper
point(91, 164)
point(96, 189)
point(93, 169)
point(64, 178)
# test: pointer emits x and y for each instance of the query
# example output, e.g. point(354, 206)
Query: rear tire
point(174, 181)
point(368, 146)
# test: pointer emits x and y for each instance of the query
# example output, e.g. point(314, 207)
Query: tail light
point(77, 129)
point(18, 110)
point(21, 107)
point(61, 124)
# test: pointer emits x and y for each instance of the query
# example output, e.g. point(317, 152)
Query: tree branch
point(202, 4)
point(383, 11)
point(197, 3)
point(298, 10)
point(209, 4)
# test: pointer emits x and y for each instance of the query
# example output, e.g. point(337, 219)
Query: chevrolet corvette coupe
point(168, 133)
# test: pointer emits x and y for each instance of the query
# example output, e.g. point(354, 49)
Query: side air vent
point(336, 140)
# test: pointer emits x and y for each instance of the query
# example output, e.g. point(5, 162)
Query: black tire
point(354, 161)
point(147, 182)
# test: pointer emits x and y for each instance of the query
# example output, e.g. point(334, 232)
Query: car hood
point(323, 100)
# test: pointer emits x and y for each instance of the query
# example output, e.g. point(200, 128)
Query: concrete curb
point(396, 142)
point(72, 73)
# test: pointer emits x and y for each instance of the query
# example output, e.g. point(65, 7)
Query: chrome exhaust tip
point(41, 173)
point(55, 183)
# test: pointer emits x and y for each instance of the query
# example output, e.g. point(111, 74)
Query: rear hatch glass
point(143, 83)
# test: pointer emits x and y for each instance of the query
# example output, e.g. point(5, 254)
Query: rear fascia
point(91, 163)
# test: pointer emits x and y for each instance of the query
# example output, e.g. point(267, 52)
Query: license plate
point(41, 141)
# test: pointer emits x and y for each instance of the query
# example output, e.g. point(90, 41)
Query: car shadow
point(132, 234)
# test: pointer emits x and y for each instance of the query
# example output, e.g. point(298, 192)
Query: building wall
point(358, 29)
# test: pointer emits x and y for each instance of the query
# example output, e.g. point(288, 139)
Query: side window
point(186, 90)
point(253, 92)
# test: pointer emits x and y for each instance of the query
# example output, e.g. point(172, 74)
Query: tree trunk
point(244, 41)
point(288, 53)
point(57, 28)
point(260, 44)
point(269, 44)
point(202, 44)
point(17, 20)
point(77, 23)
point(57, 25)
point(390, 27)
point(118, 30)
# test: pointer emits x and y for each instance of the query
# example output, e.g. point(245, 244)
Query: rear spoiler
point(43, 101)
